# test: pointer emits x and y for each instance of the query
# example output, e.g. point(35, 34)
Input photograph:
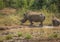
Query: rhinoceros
point(33, 18)
point(55, 21)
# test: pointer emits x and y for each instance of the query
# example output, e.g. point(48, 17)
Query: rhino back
point(35, 18)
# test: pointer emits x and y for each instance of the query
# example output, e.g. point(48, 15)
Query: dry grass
point(8, 11)
point(33, 33)
point(37, 32)
point(15, 18)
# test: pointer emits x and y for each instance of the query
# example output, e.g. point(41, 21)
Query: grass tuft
point(9, 36)
point(19, 34)
point(28, 36)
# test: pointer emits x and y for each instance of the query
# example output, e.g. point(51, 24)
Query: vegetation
point(35, 33)
point(51, 5)
point(47, 7)
point(28, 36)
point(1, 39)
point(19, 34)
point(9, 36)
point(54, 35)
point(9, 17)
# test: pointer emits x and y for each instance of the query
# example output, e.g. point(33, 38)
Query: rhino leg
point(41, 24)
point(31, 23)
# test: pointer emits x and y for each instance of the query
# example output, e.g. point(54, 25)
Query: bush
point(54, 35)
point(28, 36)
point(9, 36)
point(19, 34)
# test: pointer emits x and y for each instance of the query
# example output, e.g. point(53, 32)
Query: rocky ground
point(11, 33)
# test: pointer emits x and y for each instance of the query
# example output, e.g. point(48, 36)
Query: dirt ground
point(36, 32)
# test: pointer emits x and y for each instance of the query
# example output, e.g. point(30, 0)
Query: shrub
point(28, 36)
point(9, 36)
point(19, 34)
point(54, 35)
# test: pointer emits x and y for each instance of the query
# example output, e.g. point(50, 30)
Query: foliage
point(19, 34)
point(31, 4)
point(47, 7)
point(2, 5)
point(9, 36)
point(9, 20)
point(28, 36)
point(54, 35)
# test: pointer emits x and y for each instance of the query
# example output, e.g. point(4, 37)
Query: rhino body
point(56, 22)
point(33, 18)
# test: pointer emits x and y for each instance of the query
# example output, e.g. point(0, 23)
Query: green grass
point(53, 35)
point(9, 36)
point(48, 15)
point(19, 34)
point(9, 20)
point(28, 36)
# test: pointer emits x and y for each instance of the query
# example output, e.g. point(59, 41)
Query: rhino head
point(24, 18)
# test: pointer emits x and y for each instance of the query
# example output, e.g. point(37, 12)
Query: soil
point(33, 30)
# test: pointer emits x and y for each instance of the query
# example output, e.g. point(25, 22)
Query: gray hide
point(34, 18)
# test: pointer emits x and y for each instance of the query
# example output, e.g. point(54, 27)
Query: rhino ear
point(24, 14)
